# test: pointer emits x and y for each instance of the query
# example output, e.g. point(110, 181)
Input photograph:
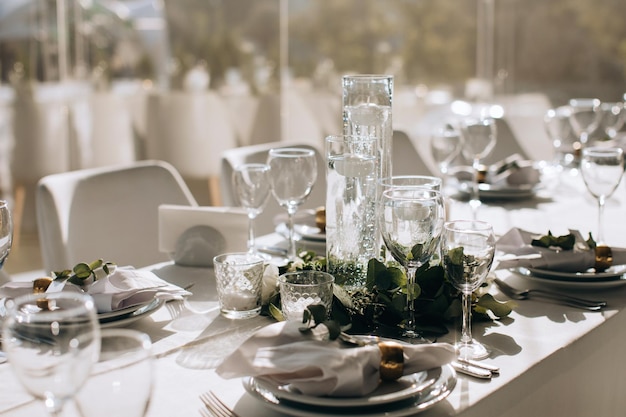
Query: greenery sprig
point(565, 242)
point(83, 271)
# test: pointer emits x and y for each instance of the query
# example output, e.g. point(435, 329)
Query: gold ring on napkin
point(604, 258)
point(40, 285)
point(391, 361)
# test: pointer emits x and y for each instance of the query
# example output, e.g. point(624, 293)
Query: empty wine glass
point(602, 170)
point(584, 117)
point(479, 139)
point(467, 248)
point(612, 116)
point(6, 231)
point(445, 145)
point(252, 187)
point(52, 340)
point(122, 378)
point(293, 172)
point(564, 141)
point(410, 221)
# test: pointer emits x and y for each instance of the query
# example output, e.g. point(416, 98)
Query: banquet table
point(555, 360)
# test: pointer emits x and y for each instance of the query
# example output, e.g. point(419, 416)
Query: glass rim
point(433, 194)
point(328, 278)
point(603, 150)
point(292, 152)
point(86, 301)
point(389, 180)
point(253, 165)
point(369, 77)
point(341, 138)
point(250, 258)
point(484, 226)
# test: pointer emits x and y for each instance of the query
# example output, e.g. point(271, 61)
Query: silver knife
point(471, 370)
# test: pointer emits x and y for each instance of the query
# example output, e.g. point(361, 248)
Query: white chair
point(258, 154)
point(108, 212)
point(406, 159)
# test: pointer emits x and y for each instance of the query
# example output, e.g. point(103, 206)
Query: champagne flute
point(602, 170)
point(121, 379)
point(467, 248)
point(479, 139)
point(410, 223)
point(6, 231)
point(252, 186)
point(293, 172)
point(52, 340)
point(584, 117)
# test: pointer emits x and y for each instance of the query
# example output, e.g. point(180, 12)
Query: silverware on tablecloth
point(525, 294)
point(215, 406)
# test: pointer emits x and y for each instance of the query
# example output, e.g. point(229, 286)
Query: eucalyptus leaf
point(498, 308)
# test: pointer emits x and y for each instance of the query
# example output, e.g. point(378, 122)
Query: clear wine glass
point(122, 379)
point(479, 139)
point(585, 117)
point(612, 117)
point(564, 141)
point(468, 248)
point(293, 172)
point(252, 187)
point(52, 340)
point(6, 231)
point(411, 220)
point(602, 170)
point(446, 143)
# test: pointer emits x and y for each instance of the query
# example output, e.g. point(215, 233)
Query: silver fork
point(569, 300)
point(216, 407)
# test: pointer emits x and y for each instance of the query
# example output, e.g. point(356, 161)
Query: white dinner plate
point(126, 316)
point(431, 395)
point(309, 232)
point(613, 273)
point(499, 192)
point(572, 282)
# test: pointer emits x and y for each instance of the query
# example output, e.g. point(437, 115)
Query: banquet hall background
point(86, 83)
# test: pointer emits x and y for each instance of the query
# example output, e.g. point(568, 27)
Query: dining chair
point(265, 222)
point(106, 212)
point(406, 159)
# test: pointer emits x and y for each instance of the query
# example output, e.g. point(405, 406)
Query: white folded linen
point(281, 353)
point(510, 172)
point(125, 287)
point(517, 244)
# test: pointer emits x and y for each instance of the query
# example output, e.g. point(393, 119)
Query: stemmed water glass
point(467, 248)
point(410, 221)
point(479, 139)
point(122, 379)
point(612, 117)
point(52, 340)
point(584, 116)
point(293, 172)
point(252, 187)
point(602, 170)
point(446, 143)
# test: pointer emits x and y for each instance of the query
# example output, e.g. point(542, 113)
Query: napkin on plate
point(512, 171)
point(516, 243)
point(125, 287)
point(281, 353)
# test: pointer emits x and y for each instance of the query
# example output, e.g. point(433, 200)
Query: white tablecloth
point(554, 360)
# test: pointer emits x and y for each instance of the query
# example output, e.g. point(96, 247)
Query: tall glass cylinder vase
point(351, 194)
point(367, 103)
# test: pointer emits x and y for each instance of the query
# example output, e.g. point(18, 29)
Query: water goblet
point(602, 170)
point(612, 117)
point(293, 172)
point(252, 187)
point(446, 143)
point(467, 248)
point(479, 139)
point(410, 221)
point(52, 340)
point(121, 381)
point(564, 141)
point(584, 117)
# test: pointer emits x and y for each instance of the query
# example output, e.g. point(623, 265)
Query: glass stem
point(466, 331)
point(410, 298)
point(291, 253)
point(251, 248)
point(475, 196)
point(600, 237)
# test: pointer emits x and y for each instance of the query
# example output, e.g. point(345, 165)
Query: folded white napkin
point(280, 352)
point(511, 171)
point(516, 243)
point(125, 287)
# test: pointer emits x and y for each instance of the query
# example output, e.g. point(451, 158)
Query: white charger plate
point(572, 280)
point(498, 192)
point(126, 316)
point(428, 397)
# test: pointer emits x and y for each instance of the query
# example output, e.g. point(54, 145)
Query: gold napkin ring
point(604, 258)
point(391, 361)
point(40, 285)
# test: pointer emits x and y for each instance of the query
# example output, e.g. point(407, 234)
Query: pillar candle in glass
point(367, 103)
point(351, 223)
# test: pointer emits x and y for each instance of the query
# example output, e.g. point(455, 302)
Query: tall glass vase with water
point(367, 101)
point(351, 223)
